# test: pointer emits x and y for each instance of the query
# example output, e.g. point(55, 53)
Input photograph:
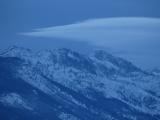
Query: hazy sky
point(24, 16)
point(137, 38)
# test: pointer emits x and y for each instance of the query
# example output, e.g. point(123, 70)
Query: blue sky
point(24, 16)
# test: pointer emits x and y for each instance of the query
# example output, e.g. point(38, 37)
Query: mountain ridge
point(79, 86)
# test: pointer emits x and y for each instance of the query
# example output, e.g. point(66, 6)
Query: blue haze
point(20, 16)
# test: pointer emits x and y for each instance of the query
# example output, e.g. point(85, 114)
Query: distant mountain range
point(62, 84)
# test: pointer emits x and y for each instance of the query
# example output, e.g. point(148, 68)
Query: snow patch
point(14, 100)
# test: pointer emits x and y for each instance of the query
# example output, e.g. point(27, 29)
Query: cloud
point(134, 35)
point(105, 32)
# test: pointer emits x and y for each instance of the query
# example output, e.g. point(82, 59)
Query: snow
point(65, 116)
point(133, 91)
point(14, 100)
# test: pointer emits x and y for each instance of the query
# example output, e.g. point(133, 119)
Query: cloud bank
point(133, 35)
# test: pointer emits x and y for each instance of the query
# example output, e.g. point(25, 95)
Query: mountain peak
point(120, 63)
point(69, 58)
point(102, 55)
point(15, 51)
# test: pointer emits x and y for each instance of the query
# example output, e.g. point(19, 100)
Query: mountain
point(61, 84)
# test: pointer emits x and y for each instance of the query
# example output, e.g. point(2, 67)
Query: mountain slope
point(65, 85)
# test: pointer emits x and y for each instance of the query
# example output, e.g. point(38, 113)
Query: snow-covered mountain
point(62, 84)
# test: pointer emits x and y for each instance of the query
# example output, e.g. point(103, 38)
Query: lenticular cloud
point(106, 31)
point(134, 35)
